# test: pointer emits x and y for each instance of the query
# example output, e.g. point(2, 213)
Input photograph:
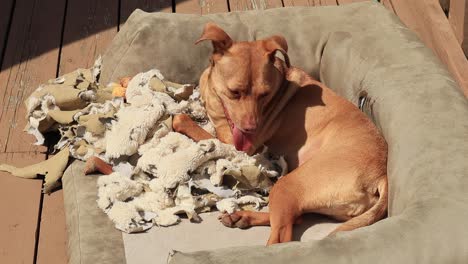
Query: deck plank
point(128, 6)
point(52, 244)
point(344, 2)
point(188, 7)
point(432, 26)
point(30, 58)
point(298, 2)
point(90, 26)
point(309, 3)
point(19, 202)
point(5, 15)
point(213, 6)
point(241, 5)
point(327, 2)
point(201, 7)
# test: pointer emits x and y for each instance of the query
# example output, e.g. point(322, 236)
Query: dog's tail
point(374, 214)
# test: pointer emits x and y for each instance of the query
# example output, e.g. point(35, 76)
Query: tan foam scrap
point(181, 92)
point(157, 85)
point(63, 117)
point(175, 90)
point(81, 147)
point(82, 150)
point(83, 78)
point(99, 150)
point(93, 123)
point(168, 123)
point(66, 97)
point(52, 169)
point(103, 94)
point(254, 177)
point(66, 89)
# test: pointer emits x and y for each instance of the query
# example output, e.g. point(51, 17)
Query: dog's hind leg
point(284, 212)
point(285, 209)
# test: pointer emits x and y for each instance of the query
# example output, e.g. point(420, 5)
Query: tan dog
point(337, 156)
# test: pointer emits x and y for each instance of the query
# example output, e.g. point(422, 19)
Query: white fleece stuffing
point(176, 156)
point(116, 187)
point(176, 165)
point(37, 109)
point(172, 173)
point(131, 128)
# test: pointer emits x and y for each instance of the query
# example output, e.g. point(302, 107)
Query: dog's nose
point(250, 126)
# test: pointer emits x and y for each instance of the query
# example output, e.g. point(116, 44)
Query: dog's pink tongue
point(242, 141)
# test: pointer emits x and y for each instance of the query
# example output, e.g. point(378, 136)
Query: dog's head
point(245, 76)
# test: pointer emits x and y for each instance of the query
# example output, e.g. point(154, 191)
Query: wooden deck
point(41, 39)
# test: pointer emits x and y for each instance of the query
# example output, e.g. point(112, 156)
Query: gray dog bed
point(364, 53)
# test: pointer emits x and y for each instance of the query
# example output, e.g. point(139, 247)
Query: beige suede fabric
point(92, 237)
point(360, 51)
point(154, 246)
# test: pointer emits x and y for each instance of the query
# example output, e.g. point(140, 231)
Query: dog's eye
point(235, 94)
point(263, 95)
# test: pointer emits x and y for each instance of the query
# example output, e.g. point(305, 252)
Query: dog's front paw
point(236, 219)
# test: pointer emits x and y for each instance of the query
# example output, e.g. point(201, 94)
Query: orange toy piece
point(124, 81)
point(119, 89)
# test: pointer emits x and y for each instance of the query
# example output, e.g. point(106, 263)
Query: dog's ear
point(221, 41)
point(277, 43)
